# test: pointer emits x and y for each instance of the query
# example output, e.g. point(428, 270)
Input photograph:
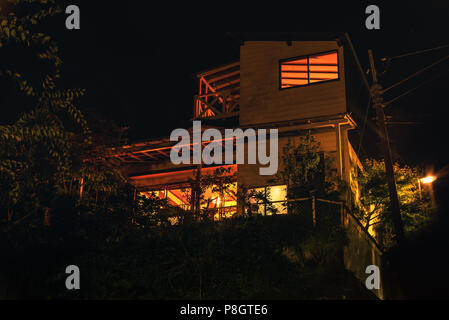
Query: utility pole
point(376, 94)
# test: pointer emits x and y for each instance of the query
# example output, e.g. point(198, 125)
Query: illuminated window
point(219, 201)
point(277, 196)
point(302, 71)
point(175, 197)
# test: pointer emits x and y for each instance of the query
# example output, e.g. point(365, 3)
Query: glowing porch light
point(428, 179)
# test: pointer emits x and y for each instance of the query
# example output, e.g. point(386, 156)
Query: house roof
point(288, 36)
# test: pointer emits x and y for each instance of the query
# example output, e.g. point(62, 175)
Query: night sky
point(137, 61)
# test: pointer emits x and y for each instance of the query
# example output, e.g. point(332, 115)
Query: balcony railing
point(216, 105)
point(218, 92)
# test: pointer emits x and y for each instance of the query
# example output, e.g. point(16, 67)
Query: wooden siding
point(147, 181)
point(261, 98)
point(248, 174)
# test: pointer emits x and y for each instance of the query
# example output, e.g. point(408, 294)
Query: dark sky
point(137, 59)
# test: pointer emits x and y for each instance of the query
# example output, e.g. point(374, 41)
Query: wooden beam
point(227, 84)
point(149, 155)
point(224, 115)
point(339, 151)
point(163, 153)
point(224, 76)
point(134, 156)
point(216, 70)
point(208, 107)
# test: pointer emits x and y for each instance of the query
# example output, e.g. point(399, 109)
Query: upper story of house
point(290, 82)
point(280, 78)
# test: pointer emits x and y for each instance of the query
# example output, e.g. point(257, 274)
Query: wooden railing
point(216, 105)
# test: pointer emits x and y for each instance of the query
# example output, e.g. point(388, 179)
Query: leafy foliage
point(51, 160)
point(219, 182)
point(50, 151)
point(415, 205)
point(274, 257)
point(307, 171)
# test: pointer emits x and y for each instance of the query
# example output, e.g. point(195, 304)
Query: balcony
point(218, 93)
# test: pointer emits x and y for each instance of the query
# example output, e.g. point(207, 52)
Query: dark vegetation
point(64, 202)
point(374, 208)
point(276, 257)
point(421, 264)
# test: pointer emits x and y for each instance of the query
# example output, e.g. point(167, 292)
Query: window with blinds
point(302, 71)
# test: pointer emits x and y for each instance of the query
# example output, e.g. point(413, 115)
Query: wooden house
point(294, 83)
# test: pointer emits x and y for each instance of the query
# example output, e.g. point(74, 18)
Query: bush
point(274, 257)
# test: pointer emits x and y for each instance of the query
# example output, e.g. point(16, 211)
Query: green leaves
point(305, 169)
point(17, 30)
point(38, 151)
point(375, 200)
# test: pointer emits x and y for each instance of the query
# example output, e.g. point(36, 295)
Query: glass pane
point(257, 207)
point(327, 58)
point(293, 82)
point(302, 61)
point(323, 67)
point(286, 67)
point(320, 67)
point(323, 76)
point(179, 198)
point(294, 73)
point(314, 68)
point(278, 196)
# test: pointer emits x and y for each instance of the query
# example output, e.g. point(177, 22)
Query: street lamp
point(427, 180)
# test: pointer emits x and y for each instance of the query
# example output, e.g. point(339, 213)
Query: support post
point(47, 217)
point(342, 214)
point(10, 213)
point(197, 209)
point(313, 211)
point(419, 188)
point(339, 151)
point(383, 133)
point(81, 187)
point(133, 220)
point(222, 198)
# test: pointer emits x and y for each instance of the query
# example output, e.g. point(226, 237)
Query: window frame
point(308, 71)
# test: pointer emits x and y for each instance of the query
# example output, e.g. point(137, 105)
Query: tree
point(220, 182)
point(35, 152)
point(50, 149)
point(306, 170)
point(250, 200)
point(375, 212)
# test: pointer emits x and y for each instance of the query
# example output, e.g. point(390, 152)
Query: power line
point(357, 61)
point(364, 124)
point(404, 123)
point(376, 94)
point(413, 53)
point(411, 90)
point(415, 74)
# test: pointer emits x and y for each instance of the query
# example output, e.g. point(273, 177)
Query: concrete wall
point(360, 252)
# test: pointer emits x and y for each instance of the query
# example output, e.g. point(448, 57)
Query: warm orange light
point(428, 179)
point(304, 71)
